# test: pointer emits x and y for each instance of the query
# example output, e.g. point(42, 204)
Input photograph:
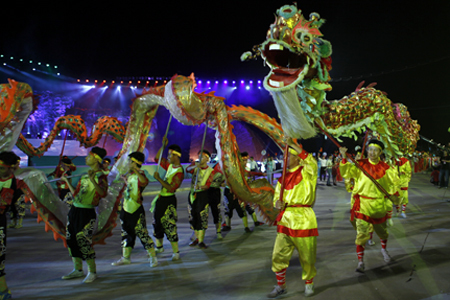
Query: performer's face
point(172, 158)
point(204, 157)
point(374, 152)
point(5, 171)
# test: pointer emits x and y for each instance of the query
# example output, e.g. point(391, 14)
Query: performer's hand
point(91, 174)
point(390, 223)
point(64, 177)
point(343, 151)
point(278, 204)
point(165, 141)
point(156, 175)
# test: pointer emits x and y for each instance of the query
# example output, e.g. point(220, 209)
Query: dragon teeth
point(276, 47)
point(277, 84)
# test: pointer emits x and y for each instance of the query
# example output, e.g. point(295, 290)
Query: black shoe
point(328, 184)
point(202, 245)
point(247, 230)
point(194, 243)
point(257, 223)
point(334, 184)
point(226, 228)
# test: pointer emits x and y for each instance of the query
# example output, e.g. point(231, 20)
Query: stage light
point(217, 82)
point(12, 57)
point(251, 81)
point(31, 61)
point(34, 69)
point(58, 74)
point(4, 64)
point(247, 87)
point(47, 65)
point(199, 82)
point(225, 82)
point(87, 80)
point(242, 81)
point(39, 63)
point(208, 82)
point(234, 82)
point(21, 59)
point(56, 67)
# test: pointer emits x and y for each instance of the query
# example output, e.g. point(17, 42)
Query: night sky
point(401, 45)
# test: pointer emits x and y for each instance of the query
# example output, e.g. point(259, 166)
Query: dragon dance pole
point(364, 144)
point(201, 154)
point(283, 174)
point(162, 150)
point(378, 185)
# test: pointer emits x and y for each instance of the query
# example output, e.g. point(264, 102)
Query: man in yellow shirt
point(296, 223)
point(372, 209)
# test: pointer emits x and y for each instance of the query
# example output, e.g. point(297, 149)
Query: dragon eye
point(306, 38)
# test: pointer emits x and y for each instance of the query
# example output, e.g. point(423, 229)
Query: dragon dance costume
point(165, 205)
point(404, 172)
point(199, 198)
point(371, 207)
point(215, 198)
point(296, 223)
point(82, 217)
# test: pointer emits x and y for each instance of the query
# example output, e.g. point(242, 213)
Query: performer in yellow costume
point(404, 173)
point(371, 207)
point(296, 223)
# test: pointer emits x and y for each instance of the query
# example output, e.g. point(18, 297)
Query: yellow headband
point(376, 145)
point(292, 151)
point(136, 161)
point(96, 156)
point(205, 154)
point(175, 152)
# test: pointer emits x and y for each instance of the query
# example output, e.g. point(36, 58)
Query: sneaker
point(247, 230)
point(121, 261)
point(370, 243)
point(73, 274)
point(90, 277)
point(226, 228)
point(309, 289)
point(258, 223)
point(153, 261)
point(386, 256)
point(403, 215)
point(219, 236)
point(193, 243)
point(202, 245)
point(176, 256)
point(360, 267)
point(5, 295)
point(159, 249)
point(277, 291)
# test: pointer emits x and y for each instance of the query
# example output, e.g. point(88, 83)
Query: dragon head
point(294, 49)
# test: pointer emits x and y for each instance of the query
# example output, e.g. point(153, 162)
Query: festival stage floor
point(239, 266)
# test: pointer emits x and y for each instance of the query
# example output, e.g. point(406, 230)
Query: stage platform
point(239, 266)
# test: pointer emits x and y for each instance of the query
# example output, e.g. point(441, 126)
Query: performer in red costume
point(296, 223)
point(371, 207)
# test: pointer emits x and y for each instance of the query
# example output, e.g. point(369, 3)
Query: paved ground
point(238, 267)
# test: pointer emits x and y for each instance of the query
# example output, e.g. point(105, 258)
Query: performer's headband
point(136, 161)
point(292, 151)
point(97, 157)
point(376, 145)
point(203, 154)
point(3, 164)
point(175, 152)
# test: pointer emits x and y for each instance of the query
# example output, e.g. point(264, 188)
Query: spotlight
point(225, 82)
point(217, 82)
point(247, 87)
point(199, 82)
point(208, 82)
point(242, 81)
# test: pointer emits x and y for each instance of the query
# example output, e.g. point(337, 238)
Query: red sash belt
point(404, 188)
point(356, 214)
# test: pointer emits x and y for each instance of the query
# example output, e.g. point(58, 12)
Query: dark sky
point(401, 45)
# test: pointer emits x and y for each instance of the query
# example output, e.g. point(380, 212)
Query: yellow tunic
point(297, 224)
point(404, 173)
point(299, 219)
point(371, 204)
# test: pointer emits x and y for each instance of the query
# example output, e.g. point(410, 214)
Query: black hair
point(243, 154)
point(107, 159)
point(99, 151)
point(138, 155)
point(8, 157)
point(175, 147)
